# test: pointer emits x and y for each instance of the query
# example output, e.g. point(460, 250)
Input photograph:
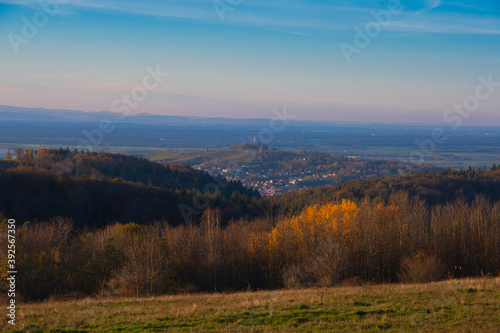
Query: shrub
point(421, 268)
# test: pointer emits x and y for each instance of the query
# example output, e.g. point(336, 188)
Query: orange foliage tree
point(297, 239)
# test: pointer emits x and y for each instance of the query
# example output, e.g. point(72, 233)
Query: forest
point(95, 189)
point(129, 238)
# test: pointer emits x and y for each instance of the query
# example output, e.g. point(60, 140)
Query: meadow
point(466, 305)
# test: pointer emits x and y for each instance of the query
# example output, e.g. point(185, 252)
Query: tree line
point(325, 244)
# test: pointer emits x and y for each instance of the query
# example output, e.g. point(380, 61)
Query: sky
point(377, 61)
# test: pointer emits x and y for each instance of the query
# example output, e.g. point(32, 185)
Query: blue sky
point(261, 55)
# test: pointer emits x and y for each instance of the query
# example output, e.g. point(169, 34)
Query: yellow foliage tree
point(297, 238)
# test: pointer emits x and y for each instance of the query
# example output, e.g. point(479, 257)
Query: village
point(269, 183)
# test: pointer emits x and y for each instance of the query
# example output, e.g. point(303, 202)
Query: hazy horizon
point(130, 118)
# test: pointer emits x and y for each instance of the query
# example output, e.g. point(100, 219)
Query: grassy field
point(470, 305)
point(443, 158)
point(196, 156)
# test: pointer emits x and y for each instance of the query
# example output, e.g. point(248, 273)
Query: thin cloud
point(431, 4)
point(301, 34)
point(292, 32)
point(426, 27)
point(292, 15)
point(187, 10)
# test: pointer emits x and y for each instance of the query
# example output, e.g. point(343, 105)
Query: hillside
point(434, 188)
point(273, 172)
point(39, 195)
point(126, 167)
point(96, 189)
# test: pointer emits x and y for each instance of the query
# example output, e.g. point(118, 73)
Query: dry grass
point(467, 305)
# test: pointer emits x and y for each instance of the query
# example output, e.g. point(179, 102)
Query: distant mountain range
point(14, 113)
point(39, 114)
